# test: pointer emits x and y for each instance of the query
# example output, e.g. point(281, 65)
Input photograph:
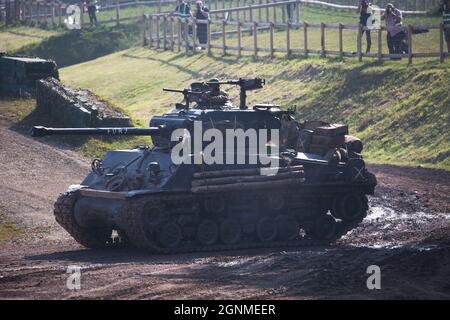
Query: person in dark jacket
point(364, 16)
point(446, 21)
point(201, 14)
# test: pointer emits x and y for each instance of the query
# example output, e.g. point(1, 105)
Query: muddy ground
point(407, 234)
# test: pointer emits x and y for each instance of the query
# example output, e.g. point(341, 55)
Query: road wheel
point(170, 234)
point(276, 202)
point(266, 229)
point(350, 207)
point(207, 232)
point(287, 228)
point(325, 228)
point(230, 231)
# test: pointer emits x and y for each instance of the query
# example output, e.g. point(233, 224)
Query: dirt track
point(407, 234)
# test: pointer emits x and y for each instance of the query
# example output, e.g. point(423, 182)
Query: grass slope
point(401, 112)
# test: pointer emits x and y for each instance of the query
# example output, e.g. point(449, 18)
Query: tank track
point(91, 238)
point(142, 238)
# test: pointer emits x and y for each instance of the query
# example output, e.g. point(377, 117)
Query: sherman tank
point(305, 183)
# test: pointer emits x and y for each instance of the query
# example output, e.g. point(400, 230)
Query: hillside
point(401, 112)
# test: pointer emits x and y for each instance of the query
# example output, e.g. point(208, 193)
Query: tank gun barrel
point(40, 131)
point(186, 93)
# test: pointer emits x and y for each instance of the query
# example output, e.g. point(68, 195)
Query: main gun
point(39, 131)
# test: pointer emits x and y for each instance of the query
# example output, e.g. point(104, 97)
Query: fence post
point(186, 35)
point(239, 34)
point(305, 37)
point(255, 39)
point(380, 44)
point(164, 31)
point(53, 14)
point(260, 11)
point(297, 12)
point(21, 10)
point(150, 30)
point(238, 15)
point(208, 36)
point(60, 12)
point(158, 41)
point(410, 49)
point(194, 34)
point(274, 12)
point(118, 13)
point(46, 5)
point(283, 14)
point(224, 36)
point(31, 9)
point(267, 12)
point(358, 41)
point(271, 27)
point(179, 26)
point(322, 39)
point(288, 38)
point(441, 42)
point(172, 36)
point(341, 41)
point(251, 13)
point(144, 25)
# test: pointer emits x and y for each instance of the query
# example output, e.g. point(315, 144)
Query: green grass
point(16, 37)
point(8, 229)
point(76, 46)
point(400, 112)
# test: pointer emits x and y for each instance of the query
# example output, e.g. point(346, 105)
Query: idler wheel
point(276, 202)
point(325, 227)
point(207, 232)
point(170, 235)
point(266, 229)
point(230, 231)
point(215, 205)
point(287, 228)
point(349, 207)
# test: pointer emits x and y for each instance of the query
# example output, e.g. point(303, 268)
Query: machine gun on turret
point(188, 94)
point(244, 86)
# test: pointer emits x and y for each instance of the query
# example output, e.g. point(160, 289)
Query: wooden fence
point(54, 11)
point(409, 5)
point(172, 33)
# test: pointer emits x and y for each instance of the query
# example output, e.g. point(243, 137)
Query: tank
point(307, 186)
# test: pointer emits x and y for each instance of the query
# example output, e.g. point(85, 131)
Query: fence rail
point(172, 33)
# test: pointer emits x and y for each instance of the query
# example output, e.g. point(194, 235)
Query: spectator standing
point(183, 11)
point(364, 16)
point(395, 31)
point(202, 14)
point(92, 8)
point(446, 21)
